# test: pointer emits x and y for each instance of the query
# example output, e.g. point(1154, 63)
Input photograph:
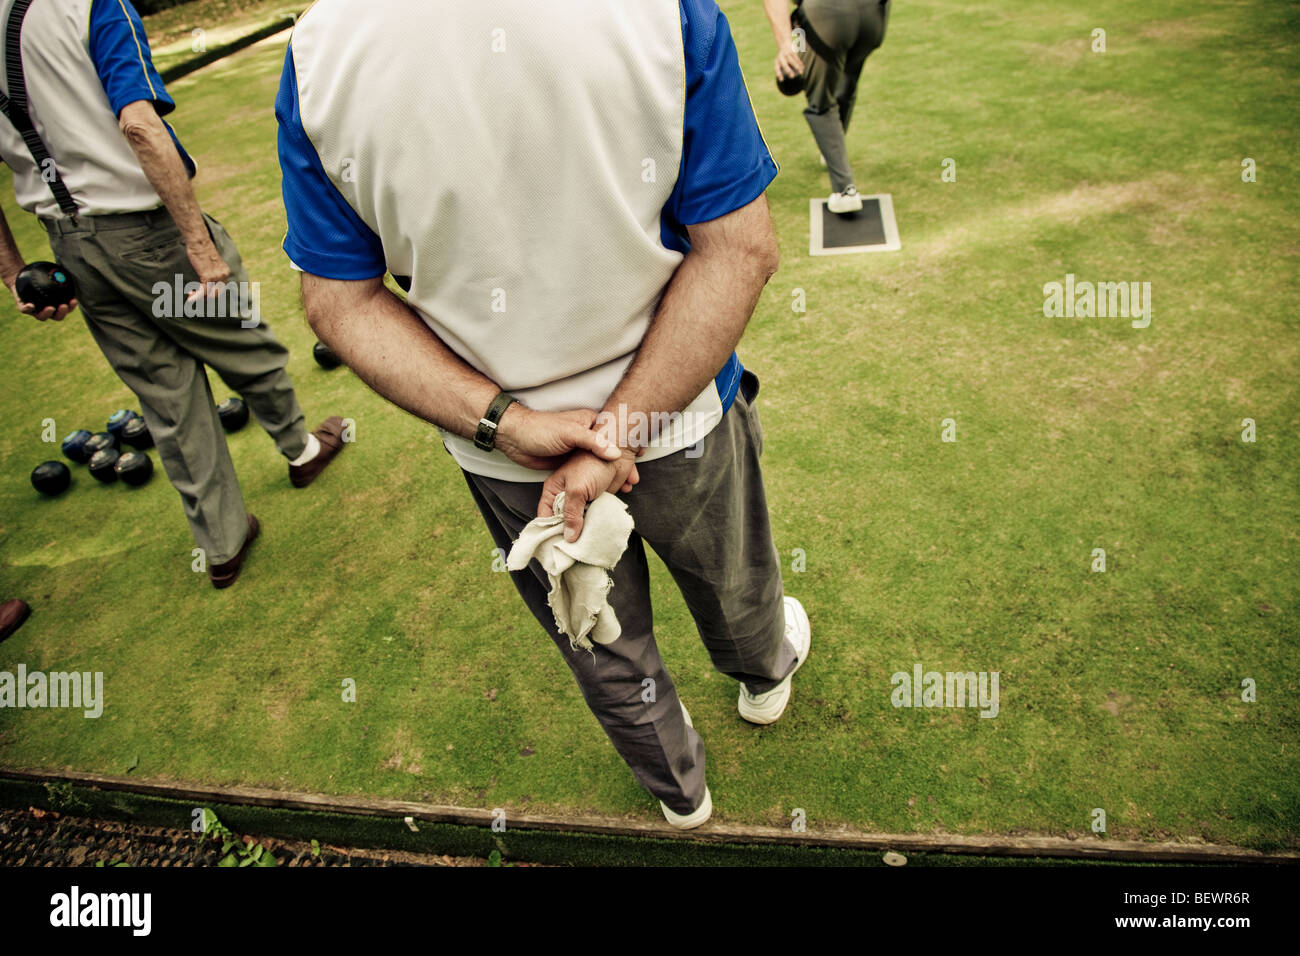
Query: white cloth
point(578, 570)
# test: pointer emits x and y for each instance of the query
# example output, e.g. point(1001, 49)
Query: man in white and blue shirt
point(128, 223)
point(577, 212)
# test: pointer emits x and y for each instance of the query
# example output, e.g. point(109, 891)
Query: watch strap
point(486, 436)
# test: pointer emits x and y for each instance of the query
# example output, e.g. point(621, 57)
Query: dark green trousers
point(121, 264)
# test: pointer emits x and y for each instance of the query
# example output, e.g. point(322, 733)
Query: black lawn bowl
point(136, 434)
point(98, 442)
point(103, 465)
point(74, 446)
point(135, 468)
point(325, 356)
point(51, 478)
point(790, 85)
point(120, 419)
point(233, 413)
point(45, 285)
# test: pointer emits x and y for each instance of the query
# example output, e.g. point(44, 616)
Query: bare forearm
point(701, 317)
point(158, 157)
point(778, 15)
point(11, 260)
point(394, 352)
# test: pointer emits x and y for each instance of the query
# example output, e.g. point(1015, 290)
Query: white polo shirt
point(83, 60)
point(530, 167)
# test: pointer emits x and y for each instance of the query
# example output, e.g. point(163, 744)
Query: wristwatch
point(486, 436)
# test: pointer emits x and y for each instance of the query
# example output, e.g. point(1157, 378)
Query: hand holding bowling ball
point(789, 68)
point(45, 290)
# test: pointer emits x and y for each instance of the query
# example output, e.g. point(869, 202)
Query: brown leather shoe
point(330, 436)
point(224, 575)
point(12, 615)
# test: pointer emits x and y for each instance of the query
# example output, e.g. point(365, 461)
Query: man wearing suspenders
point(838, 37)
point(93, 159)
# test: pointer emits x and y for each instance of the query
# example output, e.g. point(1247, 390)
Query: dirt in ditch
point(36, 837)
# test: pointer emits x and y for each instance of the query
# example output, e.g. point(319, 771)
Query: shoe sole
point(760, 719)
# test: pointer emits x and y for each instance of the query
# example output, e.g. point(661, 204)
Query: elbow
point(312, 305)
point(766, 252)
point(139, 123)
point(135, 131)
point(329, 304)
point(764, 256)
point(768, 258)
point(763, 251)
point(314, 321)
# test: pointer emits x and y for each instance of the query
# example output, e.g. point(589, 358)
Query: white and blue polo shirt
point(530, 167)
point(83, 61)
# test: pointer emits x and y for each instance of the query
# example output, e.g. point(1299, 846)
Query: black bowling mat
point(872, 229)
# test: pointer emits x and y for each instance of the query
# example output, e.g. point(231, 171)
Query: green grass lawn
point(172, 31)
point(179, 33)
point(1119, 690)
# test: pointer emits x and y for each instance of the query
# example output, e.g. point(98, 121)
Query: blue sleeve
point(326, 237)
point(120, 51)
point(725, 162)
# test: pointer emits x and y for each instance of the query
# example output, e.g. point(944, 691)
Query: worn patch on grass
point(1116, 702)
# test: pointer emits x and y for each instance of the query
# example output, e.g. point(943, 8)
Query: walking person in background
point(838, 35)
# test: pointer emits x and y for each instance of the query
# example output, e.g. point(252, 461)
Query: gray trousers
point(848, 31)
point(116, 262)
point(707, 520)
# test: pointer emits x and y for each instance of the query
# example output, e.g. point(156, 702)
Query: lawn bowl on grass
point(51, 478)
point(118, 421)
point(134, 468)
point(74, 446)
point(103, 465)
point(136, 434)
point(233, 414)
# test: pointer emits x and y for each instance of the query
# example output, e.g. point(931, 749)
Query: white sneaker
point(848, 201)
point(767, 708)
point(689, 821)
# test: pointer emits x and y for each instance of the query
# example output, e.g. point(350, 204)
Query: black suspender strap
point(15, 107)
